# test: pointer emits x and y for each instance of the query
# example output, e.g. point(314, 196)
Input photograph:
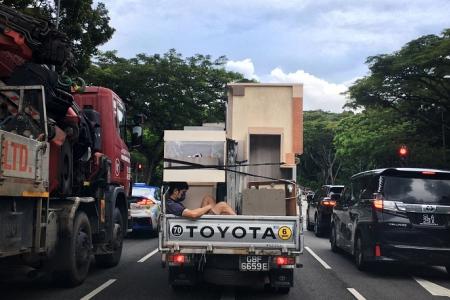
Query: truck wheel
point(66, 169)
point(112, 259)
point(78, 249)
point(360, 260)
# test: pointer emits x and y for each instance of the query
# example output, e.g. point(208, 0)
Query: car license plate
point(429, 219)
point(253, 263)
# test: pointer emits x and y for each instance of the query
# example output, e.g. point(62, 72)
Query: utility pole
point(443, 137)
point(58, 10)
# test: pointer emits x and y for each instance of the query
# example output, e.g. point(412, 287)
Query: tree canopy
point(85, 24)
point(169, 90)
point(319, 163)
point(414, 80)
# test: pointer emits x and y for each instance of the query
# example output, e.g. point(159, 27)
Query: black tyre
point(309, 225)
point(317, 229)
point(66, 169)
point(156, 232)
point(77, 253)
point(333, 239)
point(283, 290)
point(360, 260)
point(112, 259)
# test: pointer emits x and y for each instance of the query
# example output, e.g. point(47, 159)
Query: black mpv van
point(395, 215)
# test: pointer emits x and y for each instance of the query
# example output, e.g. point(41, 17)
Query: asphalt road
point(325, 275)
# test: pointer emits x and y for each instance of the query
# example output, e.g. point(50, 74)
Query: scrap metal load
point(25, 38)
point(27, 46)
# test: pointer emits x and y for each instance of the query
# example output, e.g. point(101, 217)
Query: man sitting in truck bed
point(176, 195)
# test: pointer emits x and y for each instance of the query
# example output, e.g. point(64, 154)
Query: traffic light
point(403, 152)
point(139, 167)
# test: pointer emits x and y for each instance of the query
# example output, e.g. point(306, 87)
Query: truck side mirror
point(136, 137)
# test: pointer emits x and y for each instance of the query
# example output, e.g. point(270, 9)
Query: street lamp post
point(58, 10)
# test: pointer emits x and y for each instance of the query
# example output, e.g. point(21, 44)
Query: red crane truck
point(64, 162)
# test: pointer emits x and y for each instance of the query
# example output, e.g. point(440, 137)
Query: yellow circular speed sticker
point(284, 232)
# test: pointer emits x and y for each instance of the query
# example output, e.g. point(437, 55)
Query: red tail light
point(377, 203)
point(329, 203)
point(177, 258)
point(377, 250)
point(428, 173)
point(284, 260)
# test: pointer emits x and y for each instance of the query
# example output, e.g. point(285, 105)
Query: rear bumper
point(141, 223)
point(325, 219)
point(414, 255)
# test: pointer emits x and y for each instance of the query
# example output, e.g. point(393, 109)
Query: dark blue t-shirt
point(174, 207)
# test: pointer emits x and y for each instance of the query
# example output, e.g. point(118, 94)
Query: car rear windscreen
point(144, 192)
point(336, 190)
point(417, 190)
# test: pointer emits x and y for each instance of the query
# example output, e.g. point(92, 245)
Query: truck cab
point(110, 110)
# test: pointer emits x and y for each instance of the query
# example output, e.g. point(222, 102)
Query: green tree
point(170, 90)
point(413, 81)
point(371, 140)
point(87, 26)
point(319, 164)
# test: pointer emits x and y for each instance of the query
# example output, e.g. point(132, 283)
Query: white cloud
point(330, 39)
point(244, 67)
point(318, 93)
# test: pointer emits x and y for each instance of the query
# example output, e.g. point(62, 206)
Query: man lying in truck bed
point(177, 194)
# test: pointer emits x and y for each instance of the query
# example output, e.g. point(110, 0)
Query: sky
point(320, 43)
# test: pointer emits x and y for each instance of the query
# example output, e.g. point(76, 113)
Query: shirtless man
point(177, 194)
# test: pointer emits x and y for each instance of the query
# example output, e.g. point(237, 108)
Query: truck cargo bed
point(232, 234)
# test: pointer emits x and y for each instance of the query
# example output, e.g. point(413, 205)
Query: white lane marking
point(433, 288)
point(228, 294)
point(148, 256)
point(356, 294)
point(322, 262)
point(98, 290)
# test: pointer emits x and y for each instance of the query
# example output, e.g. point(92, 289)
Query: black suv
point(320, 207)
point(395, 215)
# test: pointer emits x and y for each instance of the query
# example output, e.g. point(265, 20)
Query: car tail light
point(379, 203)
point(377, 250)
point(428, 173)
point(146, 202)
point(284, 260)
point(177, 258)
point(329, 203)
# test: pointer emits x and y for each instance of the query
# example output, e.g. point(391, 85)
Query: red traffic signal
point(403, 151)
